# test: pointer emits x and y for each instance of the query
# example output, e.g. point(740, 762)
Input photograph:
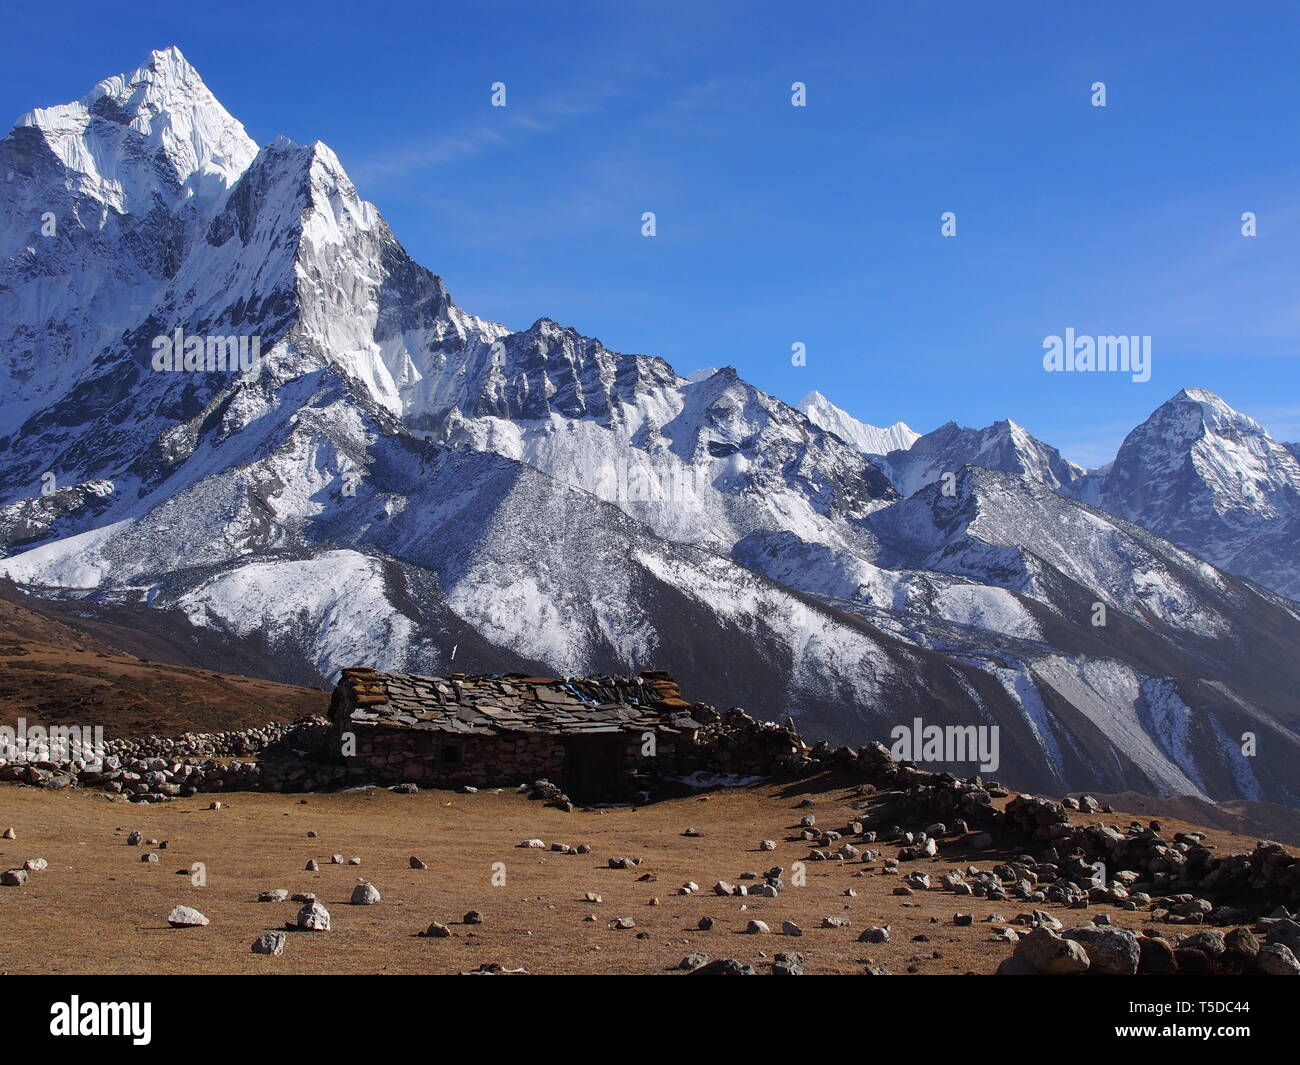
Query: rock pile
point(1179, 878)
point(1106, 951)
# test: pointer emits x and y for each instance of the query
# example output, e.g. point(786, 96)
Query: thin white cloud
point(507, 127)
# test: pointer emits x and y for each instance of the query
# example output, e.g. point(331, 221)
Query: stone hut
point(597, 737)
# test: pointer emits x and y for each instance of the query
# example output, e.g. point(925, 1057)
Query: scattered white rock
point(186, 917)
point(365, 895)
point(269, 943)
point(313, 917)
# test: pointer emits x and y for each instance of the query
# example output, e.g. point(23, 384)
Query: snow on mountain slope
point(868, 439)
point(838, 576)
point(157, 133)
point(1211, 479)
point(399, 482)
point(104, 198)
point(1004, 529)
point(1003, 445)
point(449, 552)
point(705, 462)
point(1008, 576)
point(1196, 472)
point(291, 248)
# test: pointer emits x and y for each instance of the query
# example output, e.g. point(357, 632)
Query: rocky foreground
point(824, 873)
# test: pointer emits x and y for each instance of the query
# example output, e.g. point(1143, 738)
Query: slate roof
point(462, 704)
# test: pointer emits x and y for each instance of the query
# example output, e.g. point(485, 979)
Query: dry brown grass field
point(99, 909)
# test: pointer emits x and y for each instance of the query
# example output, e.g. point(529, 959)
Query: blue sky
point(818, 225)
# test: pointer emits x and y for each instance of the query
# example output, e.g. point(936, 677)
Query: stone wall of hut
point(419, 756)
point(733, 744)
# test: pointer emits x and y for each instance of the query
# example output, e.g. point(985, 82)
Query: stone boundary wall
point(278, 757)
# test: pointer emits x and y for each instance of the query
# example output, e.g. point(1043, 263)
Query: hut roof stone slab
point(489, 705)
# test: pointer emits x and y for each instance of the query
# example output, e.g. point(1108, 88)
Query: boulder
point(724, 967)
point(313, 917)
point(1156, 957)
point(1052, 955)
point(1212, 941)
point(269, 943)
point(365, 895)
point(1276, 959)
point(186, 917)
point(1111, 951)
point(788, 963)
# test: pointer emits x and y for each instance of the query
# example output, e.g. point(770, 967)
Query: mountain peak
point(1198, 395)
point(869, 439)
point(1209, 402)
point(1211, 479)
point(1194, 412)
point(549, 327)
point(1004, 445)
point(169, 56)
point(167, 68)
point(160, 113)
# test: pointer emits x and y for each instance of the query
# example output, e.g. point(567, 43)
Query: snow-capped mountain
point(869, 439)
point(1196, 472)
point(1212, 480)
point(1003, 445)
point(103, 199)
point(397, 482)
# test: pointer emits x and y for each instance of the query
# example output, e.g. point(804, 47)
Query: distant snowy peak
point(869, 439)
point(1212, 480)
point(1004, 445)
point(1197, 414)
point(156, 130)
point(1196, 450)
